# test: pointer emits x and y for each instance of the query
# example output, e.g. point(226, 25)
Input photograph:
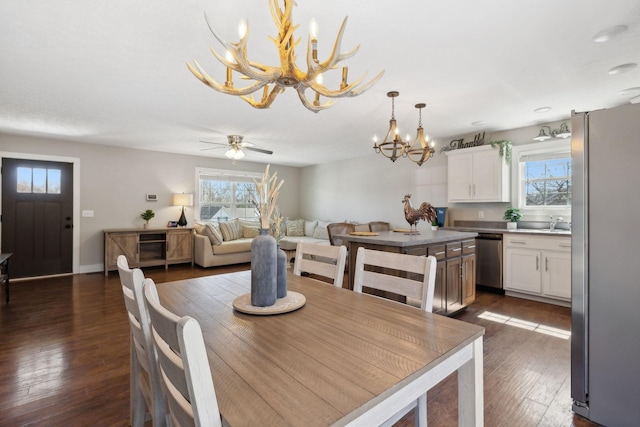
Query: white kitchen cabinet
point(477, 174)
point(556, 275)
point(538, 267)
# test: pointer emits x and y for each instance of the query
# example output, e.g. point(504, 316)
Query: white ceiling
point(110, 72)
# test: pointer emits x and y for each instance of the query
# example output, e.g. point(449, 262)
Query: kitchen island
point(453, 250)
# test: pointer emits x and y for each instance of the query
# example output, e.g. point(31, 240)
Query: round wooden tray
point(291, 302)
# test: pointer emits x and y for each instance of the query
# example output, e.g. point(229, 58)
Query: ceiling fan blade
point(247, 144)
point(259, 150)
point(216, 143)
point(211, 148)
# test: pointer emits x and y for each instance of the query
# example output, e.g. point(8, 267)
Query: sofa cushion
point(295, 227)
point(199, 228)
point(321, 230)
point(310, 227)
point(250, 232)
point(230, 230)
point(212, 231)
point(290, 243)
point(361, 227)
point(233, 246)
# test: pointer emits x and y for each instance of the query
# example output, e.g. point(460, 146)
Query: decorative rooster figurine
point(426, 212)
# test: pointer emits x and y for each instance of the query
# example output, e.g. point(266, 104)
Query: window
point(542, 177)
point(223, 195)
point(546, 180)
point(38, 180)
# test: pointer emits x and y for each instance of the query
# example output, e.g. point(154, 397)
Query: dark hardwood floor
point(64, 357)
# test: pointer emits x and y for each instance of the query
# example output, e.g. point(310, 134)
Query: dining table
point(341, 359)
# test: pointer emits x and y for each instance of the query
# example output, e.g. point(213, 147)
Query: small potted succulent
point(512, 215)
point(147, 215)
point(434, 225)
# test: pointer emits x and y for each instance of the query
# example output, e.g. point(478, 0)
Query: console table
point(148, 247)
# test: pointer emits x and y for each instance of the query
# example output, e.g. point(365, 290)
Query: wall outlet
point(480, 214)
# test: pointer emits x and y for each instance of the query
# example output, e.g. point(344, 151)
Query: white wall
point(371, 188)
point(114, 182)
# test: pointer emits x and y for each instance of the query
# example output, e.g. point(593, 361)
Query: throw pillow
point(229, 231)
point(310, 227)
point(199, 228)
point(248, 223)
point(250, 232)
point(295, 227)
point(212, 231)
point(321, 230)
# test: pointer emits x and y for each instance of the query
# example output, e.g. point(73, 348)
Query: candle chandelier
point(273, 80)
point(393, 147)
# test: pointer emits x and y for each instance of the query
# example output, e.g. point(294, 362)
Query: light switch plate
point(87, 214)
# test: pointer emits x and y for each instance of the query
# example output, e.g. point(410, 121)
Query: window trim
point(227, 174)
point(517, 195)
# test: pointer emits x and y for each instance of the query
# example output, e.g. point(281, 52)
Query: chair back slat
point(336, 228)
point(417, 280)
point(379, 226)
point(143, 358)
point(184, 366)
point(323, 260)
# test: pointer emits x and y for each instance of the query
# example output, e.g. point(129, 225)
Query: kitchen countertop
point(538, 232)
point(391, 238)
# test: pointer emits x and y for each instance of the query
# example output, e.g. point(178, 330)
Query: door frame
point(76, 194)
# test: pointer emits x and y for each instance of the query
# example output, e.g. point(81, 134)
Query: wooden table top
point(324, 364)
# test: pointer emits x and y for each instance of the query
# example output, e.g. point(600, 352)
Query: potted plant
point(434, 225)
point(147, 215)
point(512, 215)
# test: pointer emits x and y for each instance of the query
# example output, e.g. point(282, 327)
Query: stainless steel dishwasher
point(489, 261)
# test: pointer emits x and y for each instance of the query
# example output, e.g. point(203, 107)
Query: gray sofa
point(236, 249)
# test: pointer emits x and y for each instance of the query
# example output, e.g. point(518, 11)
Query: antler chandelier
point(393, 147)
point(273, 80)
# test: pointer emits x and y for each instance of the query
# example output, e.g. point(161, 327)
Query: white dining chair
point(146, 396)
point(184, 366)
point(323, 260)
point(420, 290)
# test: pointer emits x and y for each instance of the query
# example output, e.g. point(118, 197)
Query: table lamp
point(182, 200)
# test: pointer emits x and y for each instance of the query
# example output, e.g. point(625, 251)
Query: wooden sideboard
point(148, 247)
point(454, 251)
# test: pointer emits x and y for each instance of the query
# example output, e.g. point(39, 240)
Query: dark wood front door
point(37, 216)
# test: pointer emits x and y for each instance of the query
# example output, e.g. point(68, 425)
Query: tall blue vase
point(264, 269)
point(282, 273)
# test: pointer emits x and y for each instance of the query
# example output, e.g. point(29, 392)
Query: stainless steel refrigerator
point(605, 279)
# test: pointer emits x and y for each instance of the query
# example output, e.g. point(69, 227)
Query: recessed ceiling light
point(629, 91)
point(542, 109)
point(623, 68)
point(478, 123)
point(609, 33)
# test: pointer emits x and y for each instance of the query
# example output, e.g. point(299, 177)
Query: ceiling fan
point(235, 147)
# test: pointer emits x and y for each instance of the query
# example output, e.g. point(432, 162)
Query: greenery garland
point(505, 148)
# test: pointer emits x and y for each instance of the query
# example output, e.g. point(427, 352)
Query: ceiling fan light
point(234, 154)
